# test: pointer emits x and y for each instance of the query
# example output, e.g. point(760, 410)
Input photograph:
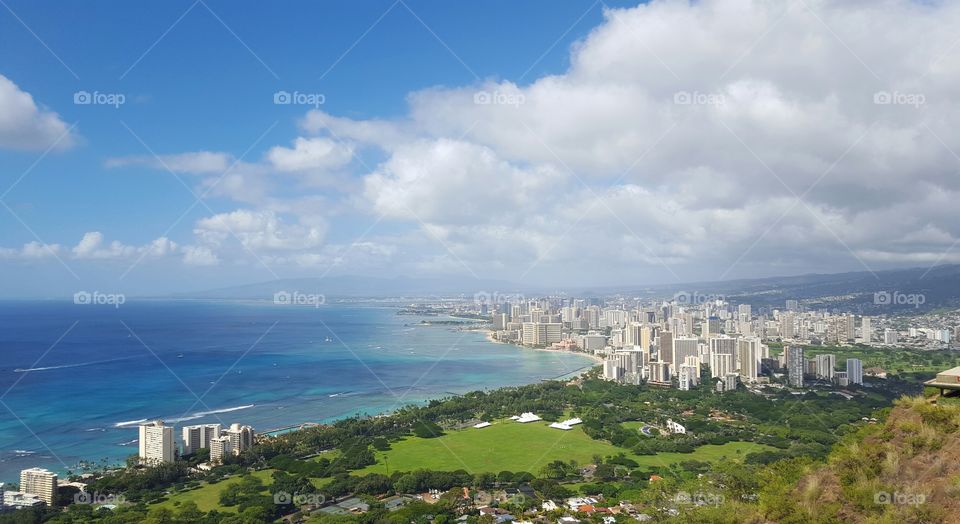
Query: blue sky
point(598, 85)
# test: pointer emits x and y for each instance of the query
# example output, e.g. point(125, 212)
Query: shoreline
point(299, 425)
point(595, 358)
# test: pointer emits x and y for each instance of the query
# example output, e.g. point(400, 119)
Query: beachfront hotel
point(232, 441)
point(40, 482)
point(195, 438)
point(156, 443)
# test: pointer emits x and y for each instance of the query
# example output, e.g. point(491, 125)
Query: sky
point(175, 146)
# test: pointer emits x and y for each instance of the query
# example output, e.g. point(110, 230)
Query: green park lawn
point(511, 446)
point(207, 496)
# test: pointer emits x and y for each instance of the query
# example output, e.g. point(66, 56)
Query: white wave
point(201, 414)
point(66, 366)
point(130, 423)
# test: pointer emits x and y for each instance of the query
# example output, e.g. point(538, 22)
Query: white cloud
point(257, 231)
point(92, 246)
point(309, 154)
point(25, 126)
point(31, 251)
point(681, 135)
point(199, 256)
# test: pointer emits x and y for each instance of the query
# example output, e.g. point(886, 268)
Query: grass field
point(207, 496)
point(524, 447)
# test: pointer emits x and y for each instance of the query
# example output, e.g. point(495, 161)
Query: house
point(549, 505)
point(574, 503)
point(675, 428)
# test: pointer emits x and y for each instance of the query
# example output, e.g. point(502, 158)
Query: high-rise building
point(198, 437)
point(684, 347)
point(156, 443)
point(688, 377)
point(866, 329)
point(659, 373)
point(889, 336)
point(787, 329)
point(826, 365)
point(721, 364)
point(541, 333)
point(748, 358)
point(665, 347)
point(40, 482)
point(241, 437)
point(793, 305)
point(710, 327)
point(793, 361)
point(220, 447)
point(854, 371)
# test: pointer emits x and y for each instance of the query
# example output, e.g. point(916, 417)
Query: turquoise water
point(190, 362)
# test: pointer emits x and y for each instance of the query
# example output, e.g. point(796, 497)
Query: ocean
point(76, 379)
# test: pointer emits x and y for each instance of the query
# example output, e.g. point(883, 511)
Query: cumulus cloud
point(31, 251)
point(92, 246)
point(257, 231)
point(24, 125)
point(686, 140)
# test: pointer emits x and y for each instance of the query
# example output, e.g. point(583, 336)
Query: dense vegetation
point(795, 431)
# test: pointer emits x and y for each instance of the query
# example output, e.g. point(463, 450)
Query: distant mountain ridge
point(939, 287)
point(359, 286)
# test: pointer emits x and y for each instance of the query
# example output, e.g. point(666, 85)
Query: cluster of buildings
point(821, 367)
point(674, 343)
point(158, 446)
point(37, 487)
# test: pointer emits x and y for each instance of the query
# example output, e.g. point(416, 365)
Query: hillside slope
point(904, 470)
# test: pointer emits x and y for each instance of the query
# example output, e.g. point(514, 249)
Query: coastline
point(96, 445)
point(595, 358)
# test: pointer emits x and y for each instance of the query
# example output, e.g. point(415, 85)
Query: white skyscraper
point(866, 329)
point(748, 358)
point(793, 359)
point(198, 437)
point(684, 347)
point(826, 365)
point(40, 482)
point(722, 356)
point(156, 443)
point(854, 371)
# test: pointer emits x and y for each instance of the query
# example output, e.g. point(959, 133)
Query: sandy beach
point(596, 358)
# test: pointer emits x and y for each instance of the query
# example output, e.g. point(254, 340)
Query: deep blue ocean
point(76, 379)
